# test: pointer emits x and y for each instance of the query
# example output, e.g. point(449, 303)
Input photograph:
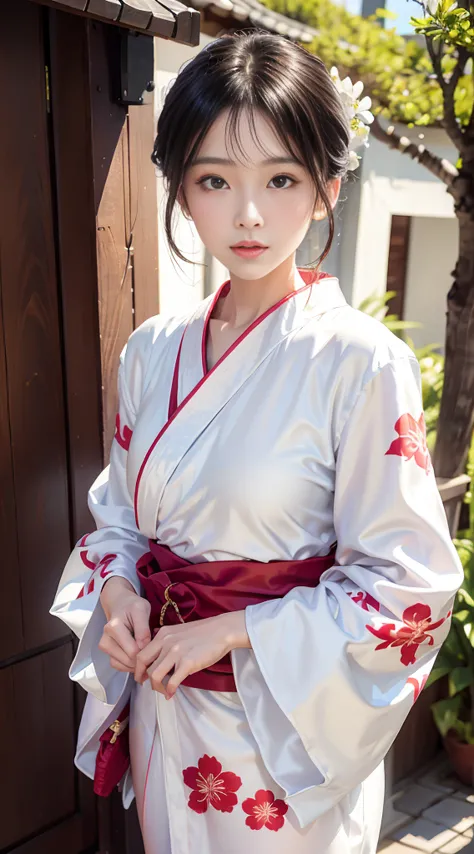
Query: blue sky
point(403, 8)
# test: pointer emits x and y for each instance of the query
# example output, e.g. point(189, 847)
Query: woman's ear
point(333, 189)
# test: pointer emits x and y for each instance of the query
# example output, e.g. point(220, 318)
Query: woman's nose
point(248, 216)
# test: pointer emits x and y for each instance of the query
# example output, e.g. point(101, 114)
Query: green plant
point(432, 378)
point(376, 306)
point(456, 657)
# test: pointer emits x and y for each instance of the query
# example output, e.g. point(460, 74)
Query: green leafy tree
point(420, 82)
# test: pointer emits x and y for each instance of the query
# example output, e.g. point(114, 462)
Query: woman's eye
point(212, 182)
point(280, 182)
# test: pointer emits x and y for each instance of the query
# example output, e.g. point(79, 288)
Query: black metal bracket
point(136, 68)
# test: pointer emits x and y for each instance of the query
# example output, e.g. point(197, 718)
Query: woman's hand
point(189, 647)
point(127, 630)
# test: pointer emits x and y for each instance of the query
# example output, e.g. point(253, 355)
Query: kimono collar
point(319, 294)
point(198, 395)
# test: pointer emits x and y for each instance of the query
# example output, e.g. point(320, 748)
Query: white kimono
point(309, 431)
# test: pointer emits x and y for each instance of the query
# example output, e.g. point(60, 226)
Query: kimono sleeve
point(334, 670)
point(112, 549)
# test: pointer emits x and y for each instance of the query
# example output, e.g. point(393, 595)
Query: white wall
point(386, 183)
point(432, 255)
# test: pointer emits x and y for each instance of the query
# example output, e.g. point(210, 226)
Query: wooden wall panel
point(112, 187)
point(11, 626)
point(80, 190)
point(144, 213)
point(61, 838)
point(31, 321)
point(45, 808)
point(70, 102)
point(36, 745)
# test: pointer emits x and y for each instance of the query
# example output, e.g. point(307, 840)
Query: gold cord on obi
point(169, 601)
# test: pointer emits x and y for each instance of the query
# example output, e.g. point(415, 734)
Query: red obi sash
point(180, 591)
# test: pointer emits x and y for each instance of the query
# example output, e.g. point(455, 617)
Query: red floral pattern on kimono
point(364, 600)
point(103, 564)
point(85, 560)
point(411, 442)
point(417, 628)
point(211, 786)
point(265, 811)
point(123, 436)
point(417, 686)
point(90, 588)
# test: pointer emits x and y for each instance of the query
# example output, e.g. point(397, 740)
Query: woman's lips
point(249, 251)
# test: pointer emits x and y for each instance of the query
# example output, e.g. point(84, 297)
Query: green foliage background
point(397, 72)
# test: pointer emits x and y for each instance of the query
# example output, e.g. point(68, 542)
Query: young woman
point(272, 574)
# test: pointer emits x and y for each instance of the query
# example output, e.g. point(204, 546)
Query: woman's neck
point(248, 300)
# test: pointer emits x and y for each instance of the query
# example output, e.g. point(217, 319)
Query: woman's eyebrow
point(223, 161)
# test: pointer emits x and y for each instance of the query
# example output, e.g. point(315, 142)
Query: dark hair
point(254, 71)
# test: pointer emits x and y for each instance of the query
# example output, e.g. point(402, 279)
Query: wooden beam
point(135, 14)
point(168, 19)
point(160, 16)
point(105, 9)
point(187, 21)
point(80, 5)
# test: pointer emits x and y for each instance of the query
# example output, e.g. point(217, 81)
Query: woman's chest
point(263, 463)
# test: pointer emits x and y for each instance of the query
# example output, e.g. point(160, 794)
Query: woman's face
point(257, 196)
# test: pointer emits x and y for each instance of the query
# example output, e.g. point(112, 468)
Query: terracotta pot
point(461, 756)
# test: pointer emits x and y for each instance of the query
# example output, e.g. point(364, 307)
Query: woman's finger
point(176, 679)
point(147, 656)
point(117, 665)
point(120, 633)
point(110, 646)
point(158, 675)
point(140, 616)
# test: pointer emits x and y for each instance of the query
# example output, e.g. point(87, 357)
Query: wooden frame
point(168, 18)
point(108, 239)
point(78, 272)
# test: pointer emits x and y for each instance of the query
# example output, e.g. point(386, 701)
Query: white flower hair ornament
point(358, 113)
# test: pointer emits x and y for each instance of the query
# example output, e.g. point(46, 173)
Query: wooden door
point(46, 808)
point(398, 262)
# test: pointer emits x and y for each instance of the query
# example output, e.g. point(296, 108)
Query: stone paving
point(436, 816)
